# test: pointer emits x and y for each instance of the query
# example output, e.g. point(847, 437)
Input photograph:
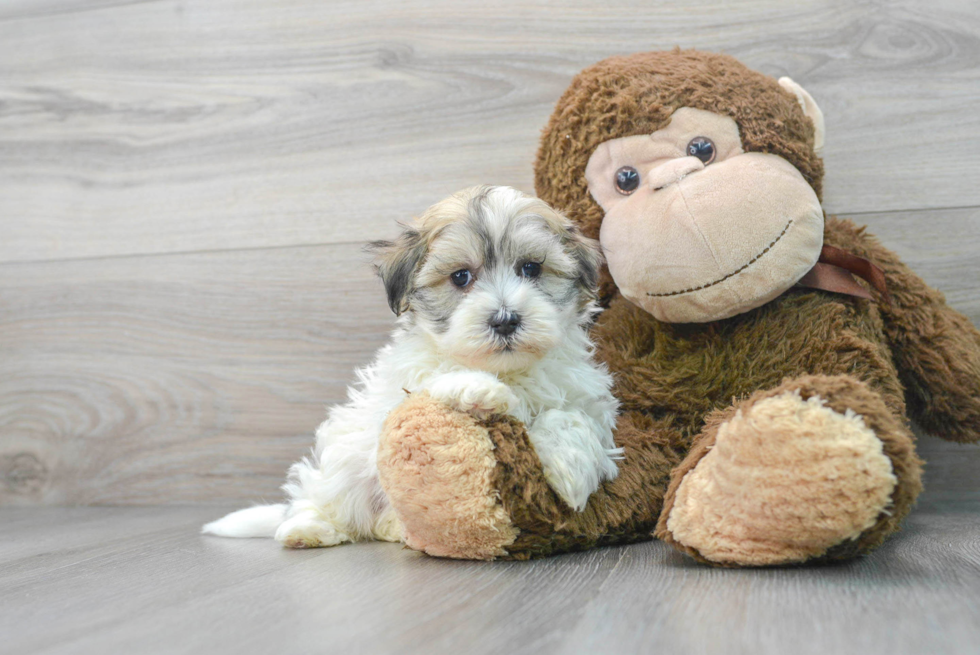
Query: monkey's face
point(695, 228)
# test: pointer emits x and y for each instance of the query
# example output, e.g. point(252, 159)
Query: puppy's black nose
point(505, 323)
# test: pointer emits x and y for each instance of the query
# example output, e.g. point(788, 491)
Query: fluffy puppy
point(494, 291)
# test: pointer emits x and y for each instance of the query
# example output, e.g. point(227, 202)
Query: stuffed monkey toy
point(767, 357)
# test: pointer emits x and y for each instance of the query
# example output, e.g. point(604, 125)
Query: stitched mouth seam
point(733, 273)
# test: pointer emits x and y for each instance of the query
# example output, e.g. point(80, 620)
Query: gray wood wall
point(185, 189)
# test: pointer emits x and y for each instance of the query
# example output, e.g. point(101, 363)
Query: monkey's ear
point(810, 108)
point(397, 262)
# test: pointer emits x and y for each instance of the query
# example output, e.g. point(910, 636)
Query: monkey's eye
point(702, 148)
point(461, 278)
point(531, 270)
point(627, 179)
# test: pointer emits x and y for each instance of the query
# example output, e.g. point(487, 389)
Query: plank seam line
point(211, 251)
point(168, 253)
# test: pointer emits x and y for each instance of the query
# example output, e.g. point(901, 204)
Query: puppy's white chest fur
point(565, 402)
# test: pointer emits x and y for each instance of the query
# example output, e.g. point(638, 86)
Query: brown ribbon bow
point(833, 272)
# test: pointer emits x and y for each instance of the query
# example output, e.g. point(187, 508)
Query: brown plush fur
point(679, 382)
point(936, 348)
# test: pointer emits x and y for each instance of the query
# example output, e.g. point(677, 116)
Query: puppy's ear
point(588, 255)
point(585, 251)
point(397, 262)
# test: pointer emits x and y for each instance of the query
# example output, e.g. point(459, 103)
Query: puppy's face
point(495, 278)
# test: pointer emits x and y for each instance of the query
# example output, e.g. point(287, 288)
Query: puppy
point(494, 291)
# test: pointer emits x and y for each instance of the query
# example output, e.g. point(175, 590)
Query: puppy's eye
point(461, 278)
point(531, 270)
point(627, 179)
point(702, 148)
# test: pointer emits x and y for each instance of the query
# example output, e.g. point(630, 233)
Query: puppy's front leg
point(476, 392)
point(572, 447)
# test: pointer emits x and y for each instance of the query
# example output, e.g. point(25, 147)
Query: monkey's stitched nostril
point(505, 323)
point(673, 172)
point(673, 181)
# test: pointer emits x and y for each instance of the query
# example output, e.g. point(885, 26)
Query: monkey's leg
point(818, 467)
point(936, 348)
point(474, 489)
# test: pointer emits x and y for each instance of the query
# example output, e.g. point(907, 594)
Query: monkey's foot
point(786, 480)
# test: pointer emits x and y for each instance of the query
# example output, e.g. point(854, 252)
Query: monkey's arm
point(476, 489)
point(936, 348)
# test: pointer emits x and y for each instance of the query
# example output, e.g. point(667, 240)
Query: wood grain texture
point(111, 580)
point(176, 378)
point(172, 126)
point(942, 246)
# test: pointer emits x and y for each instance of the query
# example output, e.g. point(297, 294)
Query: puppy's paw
point(308, 529)
point(573, 478)
point(475, 392)
point(574, 460)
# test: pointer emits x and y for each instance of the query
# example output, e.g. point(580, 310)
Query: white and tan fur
point(542, 373)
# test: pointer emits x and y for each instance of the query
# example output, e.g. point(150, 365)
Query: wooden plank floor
point(141, 580)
